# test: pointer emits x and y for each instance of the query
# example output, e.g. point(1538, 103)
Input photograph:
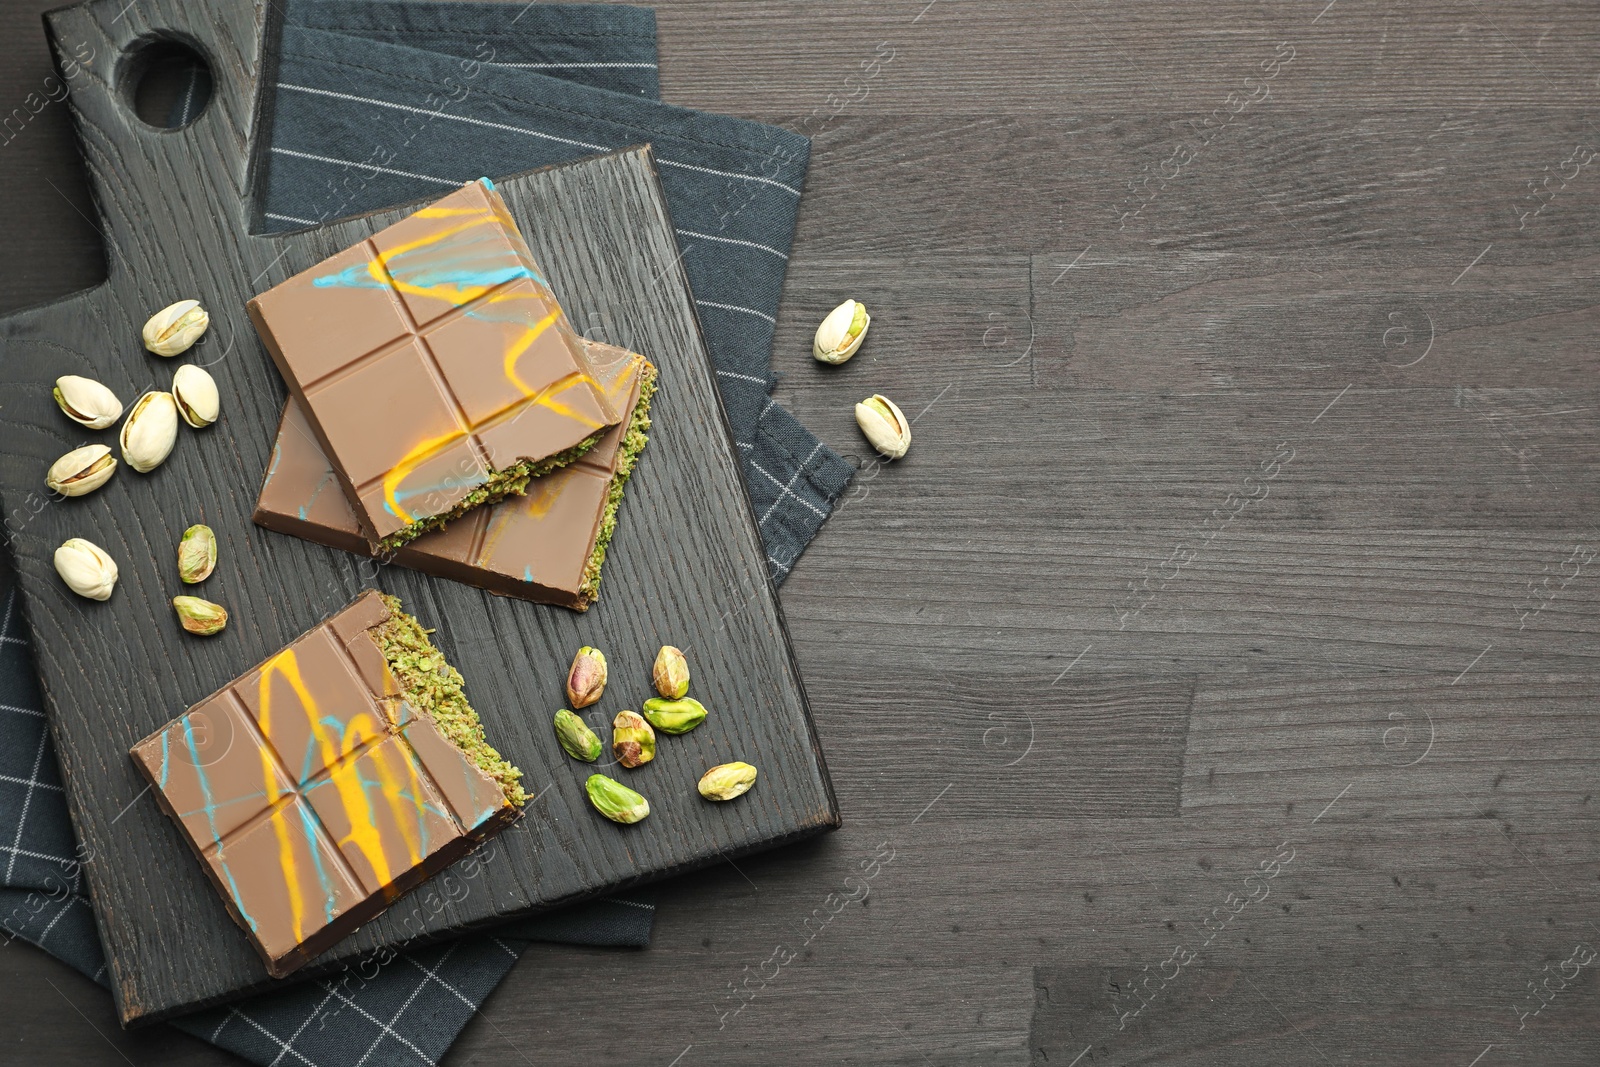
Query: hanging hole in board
point(166, 82)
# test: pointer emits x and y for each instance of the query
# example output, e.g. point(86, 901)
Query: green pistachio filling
point(501, 484)
point(434, 687)
point(632, 444)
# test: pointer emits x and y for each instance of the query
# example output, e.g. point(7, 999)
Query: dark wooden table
point(1249, 527)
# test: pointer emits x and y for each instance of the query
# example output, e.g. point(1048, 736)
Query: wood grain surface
point(686, 567)
point(1386, 661)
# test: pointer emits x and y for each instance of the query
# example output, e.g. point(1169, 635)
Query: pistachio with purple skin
point(586, 678)
point(633, 741)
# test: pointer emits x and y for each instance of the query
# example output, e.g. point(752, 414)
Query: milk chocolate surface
point(431, 361)
point(315, 792)
point(534, 547)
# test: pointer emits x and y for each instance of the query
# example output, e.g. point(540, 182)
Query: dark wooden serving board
point(687, 566)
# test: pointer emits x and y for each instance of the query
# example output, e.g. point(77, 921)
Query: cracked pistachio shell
point(727, 781)
point(175, 327)
point(841, 333)
point(200, 616)
point(614, 800)
point(86, 568)
point(671, 672)
point(197, 554)
point(674, 716)
point(633, 741)
point(149, 432)
point(577, 740)
point(195, 393)
point(87, 402)
point(885, 425)
point(83, 470)
point(586, 678)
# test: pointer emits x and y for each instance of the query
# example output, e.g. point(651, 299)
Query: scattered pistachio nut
point(578, 741)
point(586, 678)
point(200, 616)
point(195, 393)
point(727, 781)
point(674, 716)
point(197, 554)
point(633, 741)
point(175, 327)
point(83, 470)
point(86, 568)
point(885, 425)
point(614, 800)
point(87, 402)
point(671, 672)
point(149, 431)
point(841, 333)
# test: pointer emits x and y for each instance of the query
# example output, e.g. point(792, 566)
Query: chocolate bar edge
point(509, 481)
point(633, 444)
point(632, 447)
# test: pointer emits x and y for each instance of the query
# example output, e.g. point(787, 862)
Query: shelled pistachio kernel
point(727, 781)
point(86, 568)
point(885, 425)
point(200, 616)
point(195, 393)
point(87, 402)
point(586, 678)
point(149, 432)
point(197, 554)
point(175, 328)
point(614, 800)
point(841, 333)
point(83, 470)
point(633, 741)
point(674, 716)
point(670, 672)
point(577, 740)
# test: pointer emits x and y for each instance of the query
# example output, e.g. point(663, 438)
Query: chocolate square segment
point(383, 810)
point(315, 792)
point(434, 365)
point(366, 314)
point(213, 783)
point(546, 545)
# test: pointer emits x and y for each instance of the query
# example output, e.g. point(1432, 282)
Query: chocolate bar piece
point(330, 779)
point(546, 546)
point(434, 366)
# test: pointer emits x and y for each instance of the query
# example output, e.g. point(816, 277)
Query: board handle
point(101, 48)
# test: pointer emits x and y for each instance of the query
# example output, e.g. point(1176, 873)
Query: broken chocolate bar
point(330, 779)
point(434, 366)
point(547, 546)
